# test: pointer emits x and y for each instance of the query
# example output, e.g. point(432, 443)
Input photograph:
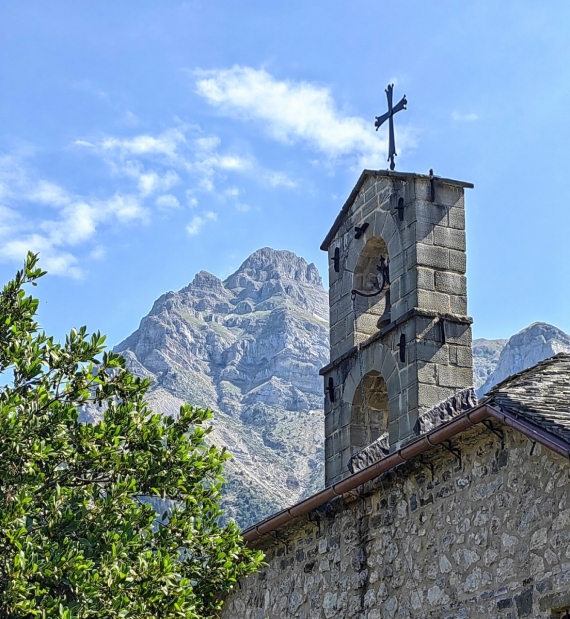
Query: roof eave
point(427, 441)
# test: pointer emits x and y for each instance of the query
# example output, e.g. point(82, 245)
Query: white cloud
point(73, 221)
point(278, 179)
point(167, 143)
point(53, 260)
point(207, 144)
point(456, 116)
point(149, 182)
point(191, 198)
point(78, 223)
point(125, 208)
point(198, 222)
point(207, 161)
point(156, 163)
point(295, 111)
point(43, 216)
point(98, 253)
point(167, 201)
point(49, 193)
point(232, 192)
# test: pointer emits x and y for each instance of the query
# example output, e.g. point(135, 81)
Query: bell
point(384, 319)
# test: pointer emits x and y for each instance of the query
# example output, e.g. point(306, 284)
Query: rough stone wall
point(490, 539)
point(427, 273)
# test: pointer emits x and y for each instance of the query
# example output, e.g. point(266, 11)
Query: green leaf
point(78, 532)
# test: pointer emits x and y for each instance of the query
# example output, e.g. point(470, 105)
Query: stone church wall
point(488, 539)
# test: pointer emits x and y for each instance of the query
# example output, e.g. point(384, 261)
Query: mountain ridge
point(250, 347)
point(524, 349)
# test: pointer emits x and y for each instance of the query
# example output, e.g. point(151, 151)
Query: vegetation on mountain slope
point(249, 347)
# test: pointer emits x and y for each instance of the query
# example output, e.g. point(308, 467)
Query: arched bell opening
point(369, 414)
point(371, 289)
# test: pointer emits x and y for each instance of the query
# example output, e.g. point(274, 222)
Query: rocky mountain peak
point(206, 282)
point(204, 279)
point(541, 333)
point(250, 348)
point(270, 278)
point(267, 264)
point(526, 348)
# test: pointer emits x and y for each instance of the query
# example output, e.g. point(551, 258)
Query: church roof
point(535, 402)
point(540, 394)
point(363, 177)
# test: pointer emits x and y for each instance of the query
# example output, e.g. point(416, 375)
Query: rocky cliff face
point(250, 348)
point(485, 358)
point(523, 350)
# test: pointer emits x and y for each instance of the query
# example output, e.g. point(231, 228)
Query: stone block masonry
point(400, 330)
point(489, 539)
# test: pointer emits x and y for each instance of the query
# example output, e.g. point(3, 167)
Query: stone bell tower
point(400, 337)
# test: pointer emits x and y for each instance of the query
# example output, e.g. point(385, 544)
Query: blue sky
point(142, 141)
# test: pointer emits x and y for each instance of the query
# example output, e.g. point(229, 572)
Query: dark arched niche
point(369, 422)
point(372, 312)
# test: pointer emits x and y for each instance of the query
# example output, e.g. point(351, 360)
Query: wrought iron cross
point(389, 115)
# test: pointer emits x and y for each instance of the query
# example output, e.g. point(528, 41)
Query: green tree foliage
point(78, 537)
